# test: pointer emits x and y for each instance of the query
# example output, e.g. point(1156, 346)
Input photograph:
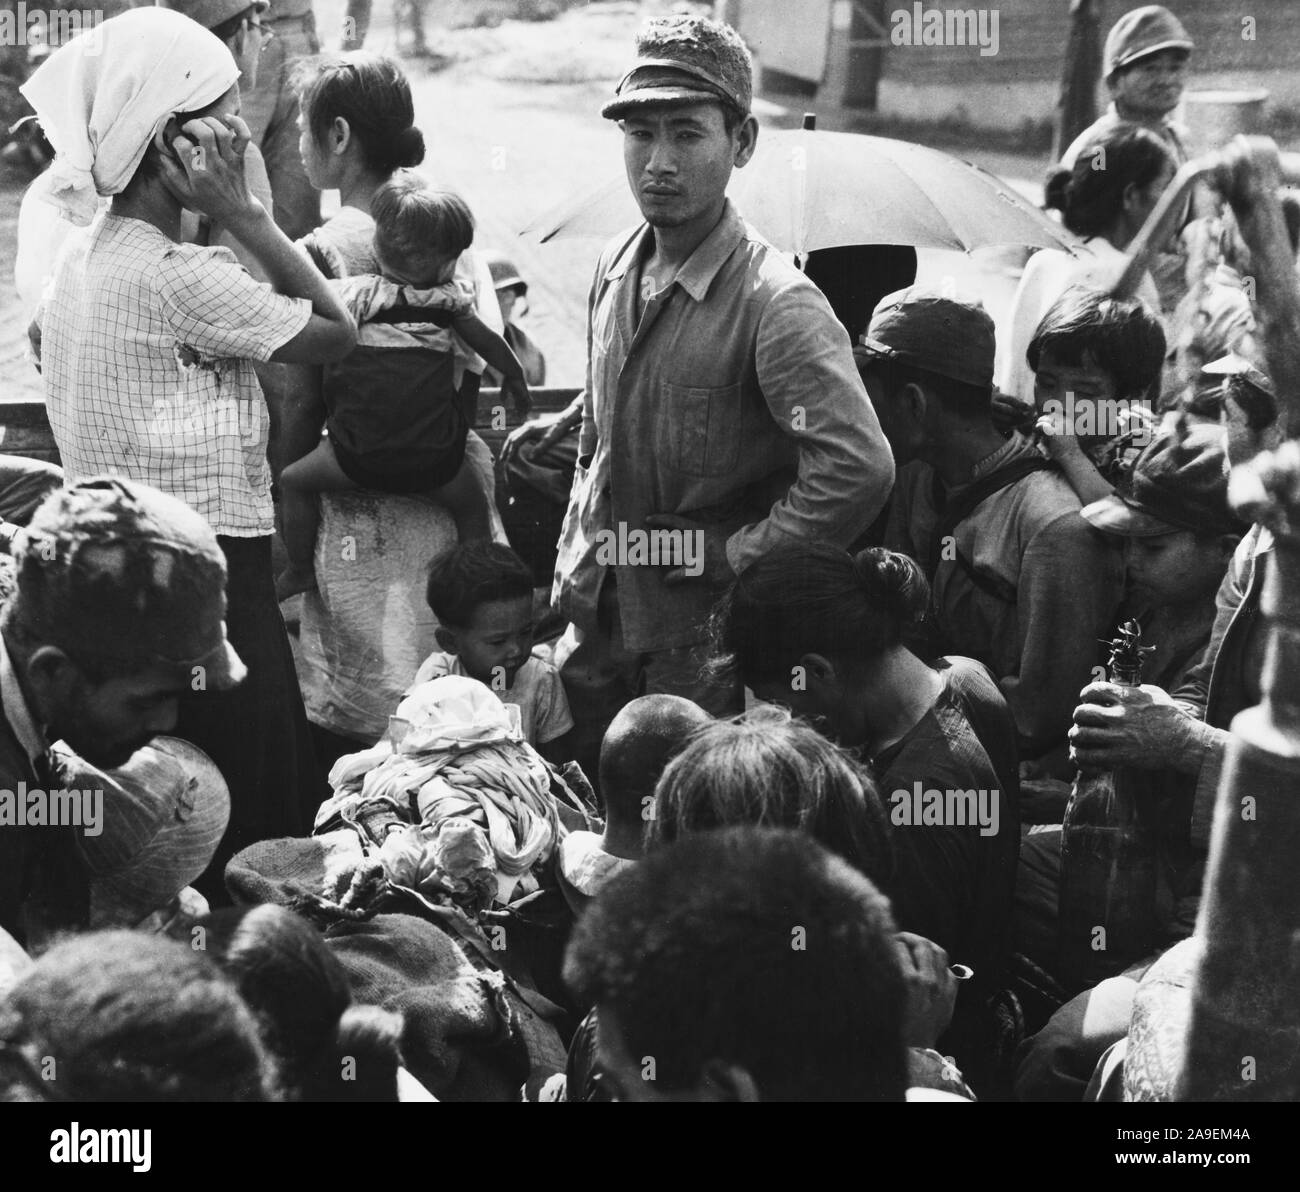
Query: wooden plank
point(25, 424)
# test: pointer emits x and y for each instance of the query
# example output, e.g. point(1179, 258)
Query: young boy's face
point(496, 643)
point(1175, 568)
point(1080, 389)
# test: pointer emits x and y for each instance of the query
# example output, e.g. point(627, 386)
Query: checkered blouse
point(147, 353)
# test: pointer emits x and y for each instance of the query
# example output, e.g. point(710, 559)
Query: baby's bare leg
point(316, 472)
point(466, 501)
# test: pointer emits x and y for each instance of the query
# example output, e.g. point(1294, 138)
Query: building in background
point(840, 51)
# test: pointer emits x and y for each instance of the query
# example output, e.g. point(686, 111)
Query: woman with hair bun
point(1104, 199)
point(357, 128)
point(824, 633)
point(357, 132)
point(327, 1048)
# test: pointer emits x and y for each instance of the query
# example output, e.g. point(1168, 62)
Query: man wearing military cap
point(118, 609)
point(721, 400)
point(510, 288)
point(1144, 65)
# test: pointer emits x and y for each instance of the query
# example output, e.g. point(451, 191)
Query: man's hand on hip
point(704, 551)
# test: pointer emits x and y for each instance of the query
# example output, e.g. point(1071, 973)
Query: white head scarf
point(103, 96)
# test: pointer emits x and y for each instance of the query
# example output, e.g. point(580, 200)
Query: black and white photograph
point(643, 550)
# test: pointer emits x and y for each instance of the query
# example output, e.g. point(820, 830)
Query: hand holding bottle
point(1139, 727)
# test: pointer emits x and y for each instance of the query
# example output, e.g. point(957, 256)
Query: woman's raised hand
point(205, 169)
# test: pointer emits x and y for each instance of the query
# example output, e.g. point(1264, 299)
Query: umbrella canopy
point(805, 190)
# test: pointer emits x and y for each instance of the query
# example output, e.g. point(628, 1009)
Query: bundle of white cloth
point(451, 750)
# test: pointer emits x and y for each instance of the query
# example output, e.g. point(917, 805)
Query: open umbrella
point(805, 190)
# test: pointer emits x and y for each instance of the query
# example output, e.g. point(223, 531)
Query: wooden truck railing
point(25, 425)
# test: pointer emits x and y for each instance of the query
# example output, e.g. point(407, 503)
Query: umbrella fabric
point(805, 190)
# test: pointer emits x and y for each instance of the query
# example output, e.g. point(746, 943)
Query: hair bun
point(408, 147)
point(1056, 188)
point(896, 580)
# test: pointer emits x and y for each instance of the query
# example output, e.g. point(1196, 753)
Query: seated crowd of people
point(781, 806)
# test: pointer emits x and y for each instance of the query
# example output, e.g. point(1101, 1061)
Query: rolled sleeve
point(813, 391)
point(212, 304)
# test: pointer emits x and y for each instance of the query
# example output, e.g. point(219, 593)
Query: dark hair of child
point(472, 574)
point(410, 214)
point(299, 992)
point(1123, 336)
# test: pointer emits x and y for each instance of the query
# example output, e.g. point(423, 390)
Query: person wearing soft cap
point(721, 400)
point(1182, 538)
point(119, 602)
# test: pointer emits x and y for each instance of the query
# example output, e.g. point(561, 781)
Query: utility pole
point(1076, 108)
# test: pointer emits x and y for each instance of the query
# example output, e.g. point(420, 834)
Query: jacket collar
point(697, 274)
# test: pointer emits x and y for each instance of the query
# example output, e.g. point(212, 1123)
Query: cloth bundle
point(458, 805)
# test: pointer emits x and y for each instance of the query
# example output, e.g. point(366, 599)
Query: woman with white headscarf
point(148, 346)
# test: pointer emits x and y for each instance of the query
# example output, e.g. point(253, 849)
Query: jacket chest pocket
point(705, 427)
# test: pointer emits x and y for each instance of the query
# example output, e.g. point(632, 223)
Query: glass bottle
point(1107, 917)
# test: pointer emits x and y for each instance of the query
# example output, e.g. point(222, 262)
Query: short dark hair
point(373, 95)
point(471, 574)
point(752, 947)
point(1123, 335)
point(131, 1017)
point(411, 213)
point(959, 396)
point(25, 641)
point(299, 991)
point(766, 769)
point(815, 598)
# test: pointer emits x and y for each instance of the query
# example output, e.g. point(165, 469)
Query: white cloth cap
point(448, 713)
point(103, 97)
